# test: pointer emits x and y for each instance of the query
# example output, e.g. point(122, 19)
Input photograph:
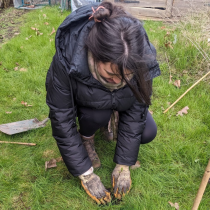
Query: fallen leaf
point(44, 15)
point(170, 80)
point(137, 165)
point(31, 6)
point(167, 33)
point(185, 72)
point(177, 83)
point(14, 99)
point(183, 111)
point(12, 22)
point(50, 164)
point(23, 69)
point(35, 29)
point(162, 27)
point(16, 68)
point(24, 103)
point(59, 159)
point(196, 160)
point(17, 64)
point(53, 31)
point(150, 111)
point(46, 23)
point(168, 44)
point(176, 205)
point(8, 112)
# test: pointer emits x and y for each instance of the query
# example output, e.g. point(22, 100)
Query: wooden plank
point(139, 3)
point(147, 12)
point(169, 5)
point(189, 4)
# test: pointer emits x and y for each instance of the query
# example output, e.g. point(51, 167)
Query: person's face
point(109, 72)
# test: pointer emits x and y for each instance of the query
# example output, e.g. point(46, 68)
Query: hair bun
point(101, 13)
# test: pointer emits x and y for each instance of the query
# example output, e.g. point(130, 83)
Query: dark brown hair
point(119, 38)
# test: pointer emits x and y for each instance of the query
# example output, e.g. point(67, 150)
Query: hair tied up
point(99, 14)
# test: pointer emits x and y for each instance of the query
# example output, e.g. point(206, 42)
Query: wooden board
point(144, 3)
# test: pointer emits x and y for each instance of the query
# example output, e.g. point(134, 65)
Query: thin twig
point(22, 143)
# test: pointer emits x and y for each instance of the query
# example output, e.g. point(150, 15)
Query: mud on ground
point(10, 20)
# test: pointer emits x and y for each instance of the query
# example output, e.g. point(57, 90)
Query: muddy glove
point(95, 189)
point(121, 180)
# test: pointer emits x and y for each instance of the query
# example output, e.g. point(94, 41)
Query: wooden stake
point(202, 187)
point(186, 92)
point(8, 142)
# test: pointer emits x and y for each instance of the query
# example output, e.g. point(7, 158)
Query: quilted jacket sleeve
point(131, 126)
point(62, 120)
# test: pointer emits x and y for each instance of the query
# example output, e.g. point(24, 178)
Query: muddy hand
point(121, 180)
point(95, 189)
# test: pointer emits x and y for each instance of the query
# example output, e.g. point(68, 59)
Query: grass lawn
point(172, 165)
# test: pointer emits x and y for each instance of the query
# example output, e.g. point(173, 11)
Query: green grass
point(172, 165)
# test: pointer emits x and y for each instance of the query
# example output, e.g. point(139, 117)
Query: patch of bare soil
point(10, 21)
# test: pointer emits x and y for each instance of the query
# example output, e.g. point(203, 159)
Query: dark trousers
point(90, 120)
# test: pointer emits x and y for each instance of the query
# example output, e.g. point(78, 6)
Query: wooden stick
point(8, 142)
point(202, 187)
point(186, 92)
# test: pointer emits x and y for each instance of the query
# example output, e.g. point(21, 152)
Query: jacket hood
point(70, 41)
point(71, 51)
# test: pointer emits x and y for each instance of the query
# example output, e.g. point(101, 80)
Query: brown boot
point(108, 136)
point(88, 142)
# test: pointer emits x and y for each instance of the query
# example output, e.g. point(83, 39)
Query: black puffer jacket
point(70, 84)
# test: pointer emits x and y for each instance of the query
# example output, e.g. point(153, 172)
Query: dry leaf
point(183, 111)
point(50, 164)
point(185, 72)
point(177, 83)
point(44, 15)
point(53, 31)
point(46, 23)
point(24, 103)
point(16, 68)
point(17, 64)
point(8, 112)
point(137, 165)
point(150, 111)
point(59, 159)
point(168, 44)
point(12, 22)
point(176, 205)
point(35, 29)
point(170, 81)
point(162, 27)
point(23, 69)
point(31, 6)
point(14, 99)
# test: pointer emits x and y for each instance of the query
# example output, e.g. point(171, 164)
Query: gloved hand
point(95, 189)
point(121, 180)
